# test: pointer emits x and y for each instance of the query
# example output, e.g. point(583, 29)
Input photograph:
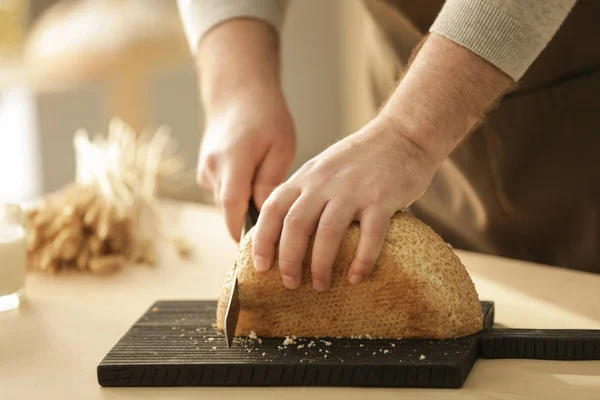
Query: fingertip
point(320, 285)
point(234, 232)
point(261, 264)
point(290, 282)
point(355, 279)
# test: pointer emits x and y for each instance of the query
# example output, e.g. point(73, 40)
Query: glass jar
point(13, 256)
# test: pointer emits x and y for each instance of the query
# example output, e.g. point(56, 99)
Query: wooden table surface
point(50, 347)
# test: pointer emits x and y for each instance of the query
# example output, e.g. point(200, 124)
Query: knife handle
point(541, 344)
point(252, 211)
point(251, 217)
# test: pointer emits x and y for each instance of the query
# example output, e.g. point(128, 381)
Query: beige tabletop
point(50, 347)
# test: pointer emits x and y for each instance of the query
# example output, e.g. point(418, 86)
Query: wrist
point(444, 94)
point(250, 93)
point(427, 158)
point(240, 56)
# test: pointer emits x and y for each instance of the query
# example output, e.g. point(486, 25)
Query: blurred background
point(66, 65)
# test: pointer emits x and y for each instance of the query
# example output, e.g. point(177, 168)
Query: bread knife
point(233, 306)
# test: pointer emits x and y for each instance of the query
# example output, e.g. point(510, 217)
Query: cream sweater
point(510, 34)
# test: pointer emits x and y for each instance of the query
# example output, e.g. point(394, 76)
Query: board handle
point(540, 344)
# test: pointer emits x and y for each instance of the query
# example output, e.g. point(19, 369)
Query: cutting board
point(175, 344)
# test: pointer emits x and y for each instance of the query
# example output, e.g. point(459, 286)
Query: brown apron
point(526, 184)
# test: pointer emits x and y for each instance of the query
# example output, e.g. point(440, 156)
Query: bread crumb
point(326, 342)
point(362, 345)
point(422, 357)
point(155, 309)
point(214, 347)
point(260, 341)
point(211, 339)
point(393, 345)
point(311, 344)
point(300, 346)
point(287, 341)
point(264, 354)
point(386, 351)
point(252, 335)
point(327, 351)
point(368, 336)
point(325, 355)
point(320, 350)
point(294, 337)
point(374, 353)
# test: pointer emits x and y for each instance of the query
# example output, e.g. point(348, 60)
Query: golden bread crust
point(418, 289)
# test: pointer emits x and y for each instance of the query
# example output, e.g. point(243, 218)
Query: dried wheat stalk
point(94, 223)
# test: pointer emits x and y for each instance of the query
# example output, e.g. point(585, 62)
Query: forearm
point(445, 92)
point(238, 55)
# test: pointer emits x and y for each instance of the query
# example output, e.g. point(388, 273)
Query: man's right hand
point(248, 147)
point(249, 143)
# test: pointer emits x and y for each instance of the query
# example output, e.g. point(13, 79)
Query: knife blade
point(233, 306)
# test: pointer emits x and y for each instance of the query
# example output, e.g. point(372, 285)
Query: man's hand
point(247, 150)
point(379, 170)
point(366, 177)
point(249, 143)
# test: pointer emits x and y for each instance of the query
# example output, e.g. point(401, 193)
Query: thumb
point(270, 174)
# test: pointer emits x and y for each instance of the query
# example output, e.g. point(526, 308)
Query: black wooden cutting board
point(175, 344)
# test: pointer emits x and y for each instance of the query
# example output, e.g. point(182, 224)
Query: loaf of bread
point(418, 289)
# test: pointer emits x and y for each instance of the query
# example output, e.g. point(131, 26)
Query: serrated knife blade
point(233, 306)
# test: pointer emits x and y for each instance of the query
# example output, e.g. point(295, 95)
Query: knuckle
point(374, 231)
point(272, 204)
point(287, 265)
point(381, 197)
point(311, 164)
point(228, 201)
point(293, 221)
point(269, 206)
point(210, 161)
point(321, 272)
point(363, 264)
point(259, 247)
point(329, 227)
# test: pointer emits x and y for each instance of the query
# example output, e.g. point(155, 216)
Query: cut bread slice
point(418, 289)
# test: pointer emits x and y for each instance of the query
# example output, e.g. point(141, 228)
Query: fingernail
point(319, 285)
point(290, 282)
point(260, 264)
point(356, 279)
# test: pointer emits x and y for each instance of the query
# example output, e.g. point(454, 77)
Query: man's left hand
point(366, 177)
